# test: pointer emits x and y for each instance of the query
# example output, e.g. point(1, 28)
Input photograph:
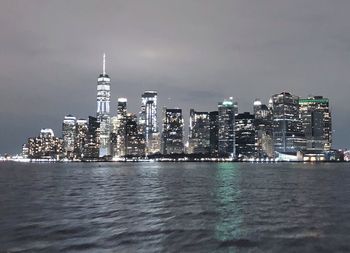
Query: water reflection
point(228, 196)
point(174, 207)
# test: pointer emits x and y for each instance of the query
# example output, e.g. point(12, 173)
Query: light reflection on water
point(228, 197)
point(174, 207)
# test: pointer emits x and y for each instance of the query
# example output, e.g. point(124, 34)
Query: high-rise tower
point(317, 122)
point(119, 128)
point(68, 135)
point(199, 132)
point(148, 115)
point(286, 124)
point(226, 123)
point(103, 117)
point(172, 135)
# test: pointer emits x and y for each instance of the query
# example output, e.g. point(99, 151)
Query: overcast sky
point(195, 53)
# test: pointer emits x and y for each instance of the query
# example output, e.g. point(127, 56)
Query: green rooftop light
point(310, 100)
point(227, 103)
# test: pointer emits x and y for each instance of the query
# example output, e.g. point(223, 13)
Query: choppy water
point(174, 207)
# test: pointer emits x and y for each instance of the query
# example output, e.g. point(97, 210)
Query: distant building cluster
point(288, 127)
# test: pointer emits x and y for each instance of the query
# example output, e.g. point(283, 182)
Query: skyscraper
point(69, 135)
point(287, 128)
point(257, 105)
point(103, 114)
point(148, 115)
point(91, 149)
point(119, 128)
point(214, 131)
point(199, 132)
point(80, 137)
point(226, 122)
point(122, 107)
point(317, 122)
point(172, 135)
point(245, 135)
point(134, 140)
point(263, 131)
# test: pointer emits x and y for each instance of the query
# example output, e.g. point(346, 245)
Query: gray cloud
point(51, 51)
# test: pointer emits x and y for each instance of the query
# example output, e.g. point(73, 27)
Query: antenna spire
point(104, 64)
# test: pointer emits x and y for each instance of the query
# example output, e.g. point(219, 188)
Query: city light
point(288, 128)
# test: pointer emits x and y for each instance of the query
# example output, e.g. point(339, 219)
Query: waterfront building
point(135, 142)
point(172, 135)
point(113, 136)
point(287, 128)
point(154, 144)
point(118, 129)
point(245, 135)
point(214, 132)
point(25, 150)
point(148, 115)
point(316, 122)
point(69, 135)
point(103, 110)
point(263, 132)
point(226, 121)
point(199, 132)
point(92, 147)
point(80, 137)
point(45, 146)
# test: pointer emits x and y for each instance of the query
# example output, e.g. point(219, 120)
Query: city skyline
point(288, 128)
point(195, 66)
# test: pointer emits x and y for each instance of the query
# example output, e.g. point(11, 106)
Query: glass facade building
point(119, 129)
point(214, 132)
point(316, 122)
point(103, 110)
point(245, 135)
point(80, 137)
point(226, 132)
point(263, 132)
point(287, 128)
point(69, 135)
point(199, 132)
point(172, 134)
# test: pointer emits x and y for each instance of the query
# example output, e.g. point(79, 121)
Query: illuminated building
point(92, 147)
point(154, 143)
point(172, 135)
point(148, 115)
point(119, 124)
point(25, 150)
point(287, 128)
point(257, 105)
point(263, 131)
point(103, 116)
point(80, 137)
point(226, 121)
point(45, 146)
point(317, 122)
point(68, 135)
point(199, 132)
point(214, 132)
point(135, 142)
point(114, 136)
point(245, 135)
point(235, 107)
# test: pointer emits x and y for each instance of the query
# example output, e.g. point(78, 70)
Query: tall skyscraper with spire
point(103, 115)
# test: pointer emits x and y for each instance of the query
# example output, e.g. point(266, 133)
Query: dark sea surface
point(174, 207)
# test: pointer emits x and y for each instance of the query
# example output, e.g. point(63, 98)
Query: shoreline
point(161, 161)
